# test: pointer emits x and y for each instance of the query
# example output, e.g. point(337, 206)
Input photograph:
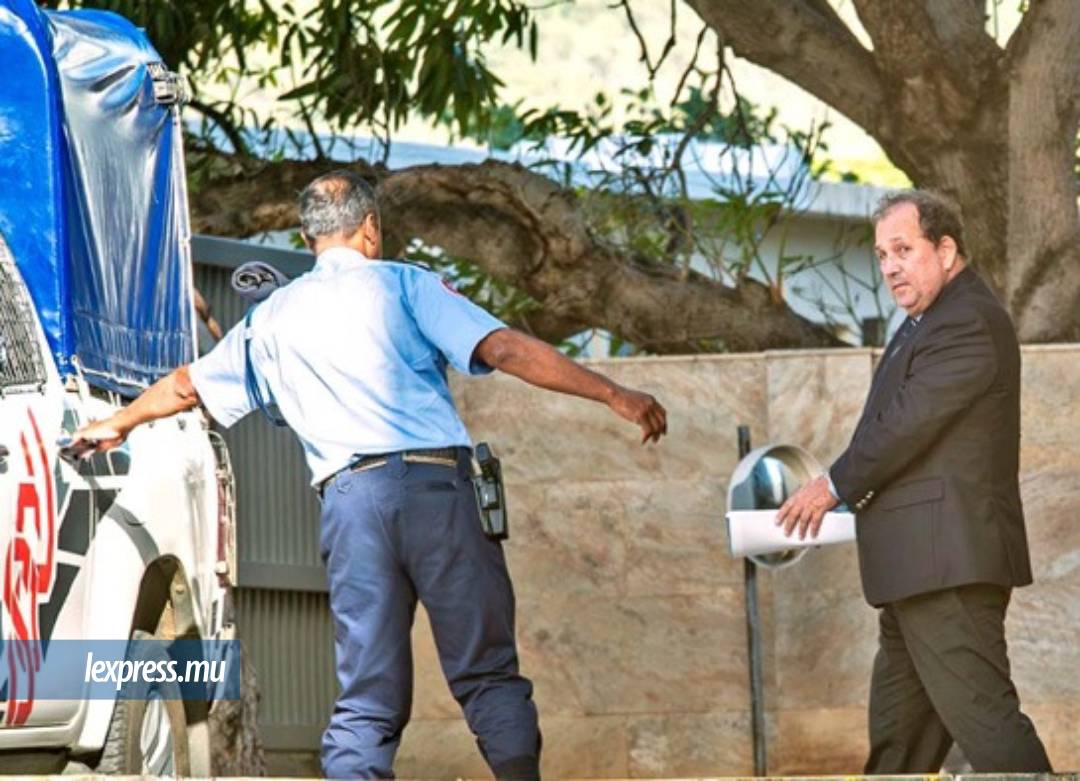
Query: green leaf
point(303, 91)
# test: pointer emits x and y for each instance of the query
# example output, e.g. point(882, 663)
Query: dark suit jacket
point(931, 470)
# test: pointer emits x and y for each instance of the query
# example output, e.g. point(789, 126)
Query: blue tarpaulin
point(92, 198)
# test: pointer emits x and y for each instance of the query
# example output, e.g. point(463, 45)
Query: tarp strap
point(268, 408)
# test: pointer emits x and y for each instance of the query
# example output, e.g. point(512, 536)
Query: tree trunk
point(1044, 222)
point(235, 745)
point(993, 128)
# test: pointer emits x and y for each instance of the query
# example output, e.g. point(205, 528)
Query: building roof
point(709, 166)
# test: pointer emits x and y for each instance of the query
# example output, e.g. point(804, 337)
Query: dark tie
point(902, 334)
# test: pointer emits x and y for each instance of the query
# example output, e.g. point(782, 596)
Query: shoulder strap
point(268, 409)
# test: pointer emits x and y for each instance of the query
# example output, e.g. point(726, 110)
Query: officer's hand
point(97, 437)
point(806, 508)
point(643, 409)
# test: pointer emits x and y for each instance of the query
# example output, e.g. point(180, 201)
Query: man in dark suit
point(931, 472)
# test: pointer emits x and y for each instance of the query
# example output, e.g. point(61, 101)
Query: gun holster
point(490, 496)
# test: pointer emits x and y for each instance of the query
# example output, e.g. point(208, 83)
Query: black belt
point(440, 456)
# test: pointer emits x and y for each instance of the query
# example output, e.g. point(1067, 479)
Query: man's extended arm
point(510, 351)
point(169, 395)
point(540, 364)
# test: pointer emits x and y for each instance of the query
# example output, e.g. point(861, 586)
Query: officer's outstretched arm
point(169, 395)
point(540, 364)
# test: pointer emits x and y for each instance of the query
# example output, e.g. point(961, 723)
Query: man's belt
point(440, 456)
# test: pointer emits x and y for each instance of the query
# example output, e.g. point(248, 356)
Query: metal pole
point(753, 639)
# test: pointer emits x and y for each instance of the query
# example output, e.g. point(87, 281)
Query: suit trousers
point(391, 536)
point(941, 674)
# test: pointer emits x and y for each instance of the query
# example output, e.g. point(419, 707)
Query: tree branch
point(691, 66)
point(526, 230)
point(1043, 35)
point(917, 37)
point(643, 45)
point(937, 61)
point(1044, 115)
point(961, 26)
point(227, 126)
point(806, 42)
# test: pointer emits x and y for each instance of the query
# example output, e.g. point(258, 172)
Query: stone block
point(819, 742)
point(637, 654)
point(691, 745)
point(825, 645)
point(815, 398)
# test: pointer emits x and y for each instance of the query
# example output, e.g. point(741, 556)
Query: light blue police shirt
point(355, 354)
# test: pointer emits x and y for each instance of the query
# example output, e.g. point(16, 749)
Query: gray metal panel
point(282, 577)
point(291, 738)
point(230, 253)
point(283, 614)
point(288, 636)
point(277, 511)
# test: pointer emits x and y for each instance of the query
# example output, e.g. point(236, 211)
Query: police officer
point(354, 354)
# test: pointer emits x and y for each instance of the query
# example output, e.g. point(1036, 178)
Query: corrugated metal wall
point(288, 637)
point(282, 611)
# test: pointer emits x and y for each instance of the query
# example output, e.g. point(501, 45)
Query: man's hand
point(643, 409)
point(171, 394)
point(806, 508)
point(102, 435)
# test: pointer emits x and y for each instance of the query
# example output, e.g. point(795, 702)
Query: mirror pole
point(753, 637)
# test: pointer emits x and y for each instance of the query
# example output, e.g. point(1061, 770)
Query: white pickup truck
point(95, 302)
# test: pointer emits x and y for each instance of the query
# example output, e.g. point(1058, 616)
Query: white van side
point(138, 542)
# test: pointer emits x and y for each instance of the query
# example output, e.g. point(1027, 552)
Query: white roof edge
point(820, 199)
point(842, 200)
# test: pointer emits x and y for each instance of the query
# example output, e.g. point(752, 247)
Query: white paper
point(753, 532)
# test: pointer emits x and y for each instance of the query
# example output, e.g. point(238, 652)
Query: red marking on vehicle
point(26, 455)
point(46, 570)
point(27, 582)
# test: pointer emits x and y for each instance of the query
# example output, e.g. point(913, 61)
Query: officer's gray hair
point(336, 202)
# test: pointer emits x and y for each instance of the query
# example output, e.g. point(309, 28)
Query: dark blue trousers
point(392, 535)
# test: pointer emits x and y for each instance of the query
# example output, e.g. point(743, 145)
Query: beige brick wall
point(631, 617)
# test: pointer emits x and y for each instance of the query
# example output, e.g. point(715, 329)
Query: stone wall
point(631, 617)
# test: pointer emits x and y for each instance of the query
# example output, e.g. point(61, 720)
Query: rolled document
point(754, 532)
